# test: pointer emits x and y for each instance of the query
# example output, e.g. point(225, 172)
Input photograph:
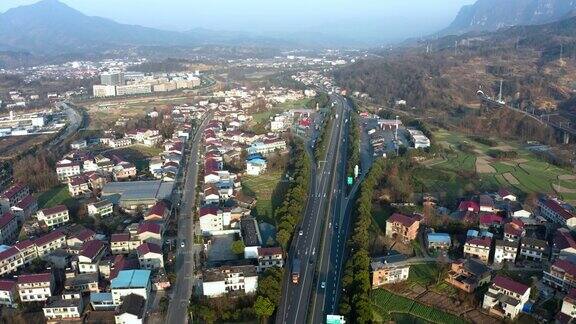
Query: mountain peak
point(490, 15)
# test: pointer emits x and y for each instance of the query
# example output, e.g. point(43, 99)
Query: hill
point(490, 15)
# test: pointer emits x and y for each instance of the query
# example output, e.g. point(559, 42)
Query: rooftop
point(54, 210)
point(131, 279)
point(510, 285)
point(139, 190)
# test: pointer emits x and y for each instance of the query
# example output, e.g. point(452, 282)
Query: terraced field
point(526, 173)
point(387, 307)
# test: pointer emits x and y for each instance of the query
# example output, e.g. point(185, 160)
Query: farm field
point(262, 187)
point(525, 173)
point(387, 306)
point(291, 104)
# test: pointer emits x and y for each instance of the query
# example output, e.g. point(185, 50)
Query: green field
point(388, 306)
point(56, 196)
point(263, 187)
point(291, 104)
point(474, 169)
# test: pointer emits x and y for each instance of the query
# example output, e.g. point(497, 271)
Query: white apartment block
point(220, 281)
point(506, 298)
point(36, 287)
point(54, 216)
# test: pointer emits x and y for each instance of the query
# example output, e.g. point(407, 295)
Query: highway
point(178, 308)
point(326, 190)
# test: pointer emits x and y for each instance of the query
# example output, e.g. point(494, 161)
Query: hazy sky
point(409, 16)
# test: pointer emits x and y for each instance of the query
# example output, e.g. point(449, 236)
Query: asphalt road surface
point(178, 307)
point(325, 192)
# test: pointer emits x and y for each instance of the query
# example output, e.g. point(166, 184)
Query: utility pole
point(455, 47)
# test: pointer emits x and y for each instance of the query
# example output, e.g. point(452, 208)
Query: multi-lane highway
point(325, 194)
point(178, 309)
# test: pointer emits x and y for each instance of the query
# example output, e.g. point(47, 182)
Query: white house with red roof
point(78, 186)
point(28, 251)
point(561, 275)
point(66, 168)
point(469, 206)
point(150, 256)
point(50, 242)
point(150, 232)
point(10, 260)
point(35, 287)
point(514, 230)
point(213, 220)
point(78, 238)
point(505, 297)
point(558, 212)
point(506, 195)
point(8, 228)
point(8, 293)
point(25, 208)
point(158, 212)
point(90, 256)
point(12, 196)
point(53, 216)
point(478, 247)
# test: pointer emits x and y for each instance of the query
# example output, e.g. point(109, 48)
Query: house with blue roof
point(255, 164)
point(130, 282)
point(440, 241)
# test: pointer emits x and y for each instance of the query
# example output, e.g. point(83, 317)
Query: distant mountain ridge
point(50, 27)
point(490, 15)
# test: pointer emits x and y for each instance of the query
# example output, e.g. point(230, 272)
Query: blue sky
point(398, 17)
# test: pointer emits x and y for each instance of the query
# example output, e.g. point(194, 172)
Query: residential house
point(440, 241)
point(66, 169)
point(50, 242)
point(158, 212)
point(255, 165)
point(10, 260)
point(505, 250)
point(53, 216)
point(402, 227)
point(487, 204)
point(506, 297)
point(82, 282)
point(150, 232)
point(77, 238)
point(269, 257)
point(131, 311)
point(561, 275)
point(468, 274)
point(121, 243)
point(490, 220)
point(478, 247)
point(100, 208)
point(506, 195)
point(514, 230)
point(563, 245)
point(130, 282)
point(469, 206)
point(568, 310)
point(7, 293)
point(28, 251)
point(35, 287)
point(102, 301)
point(213, 220)
point(25, 208)
point(557, 211)
point(90, 256)
point(8, 228)
point(68, 306)
point(12, 196)
point(124, 171)
point(150, 256)
point(389, 270)
point(222, 280)
point(78, 186)
point(533, 249)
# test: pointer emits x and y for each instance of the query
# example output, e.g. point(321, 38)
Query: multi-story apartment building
point(568, 311)
point(130, 282)
point(561, 275)
point(90, 256)
point(556, 212)
point(150, 256)
point(122, 243)
point(54, 216)
point(66, 169)
point(8, 228)
point(8, 293)
point(50, 242)
point(35, 287)
point(13, 195)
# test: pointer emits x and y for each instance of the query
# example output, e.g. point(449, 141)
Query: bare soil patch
point(483, 166)
point(511, 178)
